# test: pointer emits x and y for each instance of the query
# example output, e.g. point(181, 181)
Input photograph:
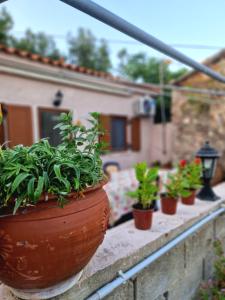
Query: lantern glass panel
point(208, 167)
point(208, 163)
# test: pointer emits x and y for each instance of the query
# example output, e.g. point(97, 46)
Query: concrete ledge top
point(125, 240)
point(124, 246)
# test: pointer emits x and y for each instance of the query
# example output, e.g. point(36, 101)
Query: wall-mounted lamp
point(58, 99)
point(209, 157)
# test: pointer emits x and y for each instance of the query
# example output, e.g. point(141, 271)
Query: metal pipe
point(211, 92)
point(123, 277)
point(107, 17)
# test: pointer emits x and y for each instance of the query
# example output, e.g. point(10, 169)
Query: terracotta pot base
point(168, 205)
point(142, 218)
point(190, 200)
point(48, 293)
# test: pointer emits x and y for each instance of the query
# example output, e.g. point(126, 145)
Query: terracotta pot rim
point(165, 196)
point(143, 209)
point(74, 194)
point(43, 204)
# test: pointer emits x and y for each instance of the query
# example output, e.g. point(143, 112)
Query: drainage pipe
point(125, 276)
point(100, 13)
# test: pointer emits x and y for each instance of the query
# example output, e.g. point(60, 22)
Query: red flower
point(197, 161)
point(183, 163)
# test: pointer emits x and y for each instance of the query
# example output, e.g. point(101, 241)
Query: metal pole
point(123, 277)
point(107, 17)
point(162, 105)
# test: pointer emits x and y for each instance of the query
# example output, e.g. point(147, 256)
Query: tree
point(38, 43)
point(6, 24)
point(103, 62)
point(84, 51)
point(140, 67)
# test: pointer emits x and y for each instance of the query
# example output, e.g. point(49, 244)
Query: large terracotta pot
point(168, 205)
point(142, 218)
point(43, 245)
point(190, 200)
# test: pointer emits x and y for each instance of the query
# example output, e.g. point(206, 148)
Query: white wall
point(24, 91)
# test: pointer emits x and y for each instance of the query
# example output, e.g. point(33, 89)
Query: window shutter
point(19, 125)
point(105, 122)
point(135, 134)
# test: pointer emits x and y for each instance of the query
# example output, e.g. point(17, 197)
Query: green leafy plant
point(191, 173)
point(176, 186)
point(147, 189)
point(214, 289)
point(27, 173)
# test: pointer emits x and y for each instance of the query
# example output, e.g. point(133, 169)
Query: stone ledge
point(124, 246)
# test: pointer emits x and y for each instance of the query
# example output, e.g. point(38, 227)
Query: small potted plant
point(191, 173)
point(175, 187)
point(54, 211)
point(145, 194)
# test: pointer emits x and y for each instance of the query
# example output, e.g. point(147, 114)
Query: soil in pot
point(168, 205)
point(190, 200)
point(44, 245)
point(142, 217)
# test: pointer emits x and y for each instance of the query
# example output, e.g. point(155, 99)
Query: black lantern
point(58, 99)
point(208, 156)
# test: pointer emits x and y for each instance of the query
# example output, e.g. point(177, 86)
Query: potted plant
point(175, 187)
point(145, 194)
point(54, 212)
point(191, 173)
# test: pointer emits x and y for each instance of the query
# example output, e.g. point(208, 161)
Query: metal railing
point(125, 276)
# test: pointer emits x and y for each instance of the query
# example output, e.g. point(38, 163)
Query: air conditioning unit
point(145, 107)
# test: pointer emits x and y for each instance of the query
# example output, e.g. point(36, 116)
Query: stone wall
point(199, 117)
point(175, 276)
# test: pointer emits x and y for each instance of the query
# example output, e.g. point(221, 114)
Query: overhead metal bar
point(1, 1)
point(100, 13)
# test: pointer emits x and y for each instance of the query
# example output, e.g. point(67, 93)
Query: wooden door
point(19, 126)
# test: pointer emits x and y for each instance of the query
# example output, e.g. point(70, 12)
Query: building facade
point(34, 90)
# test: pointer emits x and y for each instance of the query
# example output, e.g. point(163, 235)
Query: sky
point(192, 22)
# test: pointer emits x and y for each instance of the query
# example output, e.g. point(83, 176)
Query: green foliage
point(38, 43)
point(215, 289)
point(147, 189)
point(176, 186)
point(191, 174)
point(6, 24)
point(140, 67)
point(84, 51)
point(28, 172)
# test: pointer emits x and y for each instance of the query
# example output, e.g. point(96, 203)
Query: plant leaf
point(20, 178)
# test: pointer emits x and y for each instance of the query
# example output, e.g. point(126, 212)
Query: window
point(48, 118)
point(116, 128)
point(118, 133)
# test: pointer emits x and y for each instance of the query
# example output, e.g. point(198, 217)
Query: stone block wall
point(199, 117)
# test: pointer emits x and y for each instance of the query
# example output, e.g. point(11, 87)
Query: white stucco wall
point(38, 93)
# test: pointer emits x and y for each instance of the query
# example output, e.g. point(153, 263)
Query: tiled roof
point(208, 62)
point(71, 67)
point(57, 63)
